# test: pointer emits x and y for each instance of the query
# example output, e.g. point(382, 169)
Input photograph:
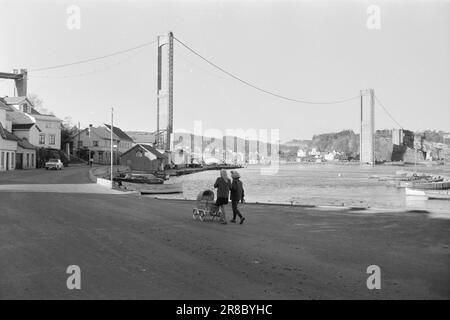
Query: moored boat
point(146, 188)
point(438, 194)
point(414, 192)
point(442, 185)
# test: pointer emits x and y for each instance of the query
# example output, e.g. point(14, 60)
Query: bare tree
point(38, 104)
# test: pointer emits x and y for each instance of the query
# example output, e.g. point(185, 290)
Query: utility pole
point(89, 146)
point(112, 143)
point(360, 128)
point(78, 143)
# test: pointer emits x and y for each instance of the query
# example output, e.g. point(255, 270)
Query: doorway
point(19, 160)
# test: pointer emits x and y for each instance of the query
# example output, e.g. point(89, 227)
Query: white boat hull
point(414, 192)
point(438, 194)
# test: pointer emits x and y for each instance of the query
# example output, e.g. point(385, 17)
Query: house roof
point(17, 100)
point(147, 148)
point(34, 112)
point(18, 117)
point(4, 106)
point(23, 143)
point(100, 132)
point(5, 134)
point(11, 101)
point(24, 126)
point(47, 117)
point(118, 132)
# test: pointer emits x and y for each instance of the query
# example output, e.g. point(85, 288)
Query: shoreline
point(355, 209)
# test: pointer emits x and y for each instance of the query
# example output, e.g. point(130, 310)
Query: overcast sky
point(312, 50)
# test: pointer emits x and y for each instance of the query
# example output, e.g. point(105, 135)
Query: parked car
point(54, 164)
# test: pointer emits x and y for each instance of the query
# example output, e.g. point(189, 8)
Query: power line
point(387, 112)
point(258, 88)
point(105, 68)
point(93, 59)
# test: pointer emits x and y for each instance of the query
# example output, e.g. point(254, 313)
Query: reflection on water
point(320, 184)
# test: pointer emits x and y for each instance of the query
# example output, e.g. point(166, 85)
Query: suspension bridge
point(165, 92)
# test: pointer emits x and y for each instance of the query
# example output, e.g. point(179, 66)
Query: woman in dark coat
point(223, 185)
point(237, 194)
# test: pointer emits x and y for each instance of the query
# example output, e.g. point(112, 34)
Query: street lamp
point(89, 145)
point(111, 151)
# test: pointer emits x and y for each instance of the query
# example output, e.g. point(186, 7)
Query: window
point(25, 108)
point(42, 138)
point(100, 156)
point(28, 159)
point(48, 124)
point(32, 160)
point(95, 143)
point(13, 160)
point(2, 162)
point(52, 139)
point(80, 143)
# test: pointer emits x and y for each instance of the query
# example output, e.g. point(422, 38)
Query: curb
point(318, 207)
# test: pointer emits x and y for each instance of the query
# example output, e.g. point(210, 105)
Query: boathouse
point(144, 157)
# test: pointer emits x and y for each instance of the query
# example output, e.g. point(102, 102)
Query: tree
point(68, 130)
point(38, 104)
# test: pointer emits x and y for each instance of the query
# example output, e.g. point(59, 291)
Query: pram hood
point(206, 195)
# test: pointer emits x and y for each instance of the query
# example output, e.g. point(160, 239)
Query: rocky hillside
point(347, 142)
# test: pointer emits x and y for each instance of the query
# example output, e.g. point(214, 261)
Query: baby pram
point(206, 209)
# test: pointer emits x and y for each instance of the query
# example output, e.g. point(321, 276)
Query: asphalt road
point(135, 247)
point(76, 174)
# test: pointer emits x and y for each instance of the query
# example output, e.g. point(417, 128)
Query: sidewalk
point(90, 188)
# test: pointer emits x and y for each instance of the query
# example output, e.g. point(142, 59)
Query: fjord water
point(321, 184)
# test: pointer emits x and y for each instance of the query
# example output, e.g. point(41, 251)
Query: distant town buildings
point(96, 142)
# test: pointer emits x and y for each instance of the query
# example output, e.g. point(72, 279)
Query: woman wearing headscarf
point(237, 194)
point(223, 185)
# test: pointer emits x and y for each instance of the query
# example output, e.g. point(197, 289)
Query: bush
point(45, 154)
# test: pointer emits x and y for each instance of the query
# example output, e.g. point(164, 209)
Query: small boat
point(429, 194)
point(438, 194)
point(146, 188)
point(414, 192)
point(424, 182)
point(442, 185)
point(394, 163)
point(138, 178)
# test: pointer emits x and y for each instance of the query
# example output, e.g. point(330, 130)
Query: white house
point(314, 152)
point(41, 130)
point(8, 143)
point(329, 156)
point(301, 153)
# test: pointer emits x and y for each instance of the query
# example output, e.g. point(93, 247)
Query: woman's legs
point(224, 218)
